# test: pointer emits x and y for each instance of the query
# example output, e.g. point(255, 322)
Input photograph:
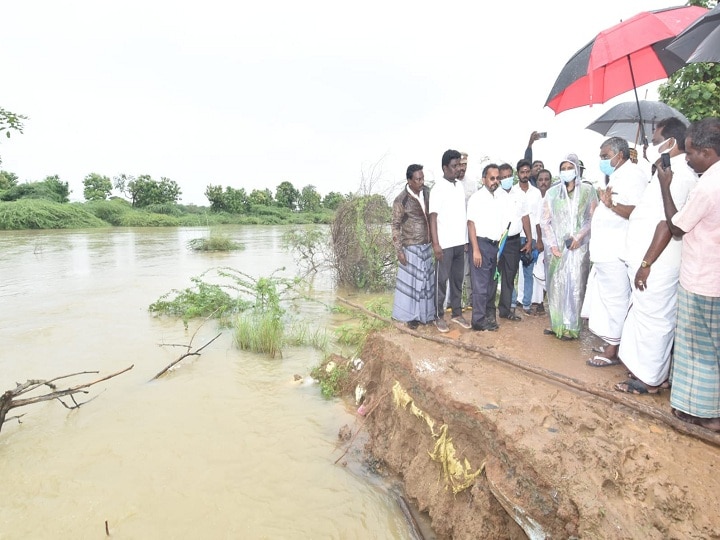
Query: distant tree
point(97, 187)
point(121, 182)
point(309, 200)
point(231, 200)
point(286, 195)
point(332, 200)
point(262, 197)
point(216, 197)
point(7, 180)
point(145, 191)
point(56, 188)
point(695, 89)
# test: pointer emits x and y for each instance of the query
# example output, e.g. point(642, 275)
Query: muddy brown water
point(226, 446)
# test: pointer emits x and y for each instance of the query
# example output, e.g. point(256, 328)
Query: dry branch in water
point(9, 401)
point(189, 352)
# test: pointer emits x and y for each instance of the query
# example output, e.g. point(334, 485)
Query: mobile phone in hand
point(542, 134)
point(665, 160)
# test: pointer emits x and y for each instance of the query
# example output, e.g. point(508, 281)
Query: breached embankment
point(489, 450)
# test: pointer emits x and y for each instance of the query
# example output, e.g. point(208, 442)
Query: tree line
point(143, 191)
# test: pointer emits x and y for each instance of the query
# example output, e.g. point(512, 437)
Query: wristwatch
point(645, 264)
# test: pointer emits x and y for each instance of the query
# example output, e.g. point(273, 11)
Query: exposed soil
point(564, 454)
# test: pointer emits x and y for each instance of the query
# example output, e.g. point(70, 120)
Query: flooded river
point(226, 446)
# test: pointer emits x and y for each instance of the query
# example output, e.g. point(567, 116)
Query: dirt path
point(561, 461)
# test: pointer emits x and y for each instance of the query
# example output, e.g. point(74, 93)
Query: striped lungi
point(696, 359)
point(415, 286)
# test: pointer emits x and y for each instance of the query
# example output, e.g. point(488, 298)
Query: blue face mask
point(605, 166)
point(506, 183)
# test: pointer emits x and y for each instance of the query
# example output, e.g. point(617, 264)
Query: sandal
point(636, 387)
point(603, 361)
point(600, 349)
point(665, 385)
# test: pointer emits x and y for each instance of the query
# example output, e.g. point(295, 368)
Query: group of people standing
point(638, 257)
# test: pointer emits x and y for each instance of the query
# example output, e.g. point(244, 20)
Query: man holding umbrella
point(695, 396)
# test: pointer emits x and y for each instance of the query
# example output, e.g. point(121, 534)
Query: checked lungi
point(415, 286)
point(696, 359)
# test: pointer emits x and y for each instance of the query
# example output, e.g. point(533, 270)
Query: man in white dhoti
point(609, 296)
point(652, 259)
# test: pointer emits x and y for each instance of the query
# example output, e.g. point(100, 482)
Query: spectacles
point(492, 178)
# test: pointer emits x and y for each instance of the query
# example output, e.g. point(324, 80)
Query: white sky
point(250, 94)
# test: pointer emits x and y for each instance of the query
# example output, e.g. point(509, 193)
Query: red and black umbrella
point(622, 58)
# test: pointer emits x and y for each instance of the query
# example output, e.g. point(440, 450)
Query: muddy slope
point(558, 462)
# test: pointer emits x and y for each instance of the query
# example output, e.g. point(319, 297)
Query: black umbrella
point(699, 42)
point(623, 120)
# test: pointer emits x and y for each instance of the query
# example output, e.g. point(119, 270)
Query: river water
point(225, 446)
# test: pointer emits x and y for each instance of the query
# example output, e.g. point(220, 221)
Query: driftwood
point(9, 400)
point(614, 397)
point(189, 352)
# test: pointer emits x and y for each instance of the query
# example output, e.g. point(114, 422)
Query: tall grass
point(42, 214)
point(214, 242)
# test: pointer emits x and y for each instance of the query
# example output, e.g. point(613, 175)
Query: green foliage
point(97, 187)
point(334, 377)
point(354, 334)
point(262, 197)
point(10, 121)
point(332, 200)
point(286, 195)
point(144, 191)
point(309, 200)
point(147, 219)
point(214, 242)
point(202, 299)
point(309, 246)
point(43, 214)
point(51, 189)
point(231, 200)
point(168, 209)
point(110, 211)
point(694, 90)
point(363, 254)
point(7, 180)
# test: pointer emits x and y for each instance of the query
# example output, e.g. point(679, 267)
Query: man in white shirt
point(509, 259)
point(448, 232)
point(488, 213)
point(609, 293)
point(533, 198)
point(652, 259)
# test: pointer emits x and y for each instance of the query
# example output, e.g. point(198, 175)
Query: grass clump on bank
point(334, 376)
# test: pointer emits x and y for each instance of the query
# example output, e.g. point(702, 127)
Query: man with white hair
point(609, 293)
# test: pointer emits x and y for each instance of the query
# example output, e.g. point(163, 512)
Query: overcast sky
point(250, 94)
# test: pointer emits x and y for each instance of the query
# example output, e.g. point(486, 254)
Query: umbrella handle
point(637, 100)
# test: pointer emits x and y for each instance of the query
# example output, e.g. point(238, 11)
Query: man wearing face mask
point(509, 259)
point(488, 213)
point(608, 294)
point(652, 259)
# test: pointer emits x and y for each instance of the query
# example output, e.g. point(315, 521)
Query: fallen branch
point(185, 355)
point(9, 401)
point(362, 424)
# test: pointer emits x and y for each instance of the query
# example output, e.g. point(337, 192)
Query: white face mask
point(568, 176)
point(653, 152)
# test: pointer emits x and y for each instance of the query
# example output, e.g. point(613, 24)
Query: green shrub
point(139, 218)
point(214, 242)
point(42, 214)
point(110, 211)
point(168, 209)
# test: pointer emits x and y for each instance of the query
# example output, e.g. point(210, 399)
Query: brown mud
point(551, 451)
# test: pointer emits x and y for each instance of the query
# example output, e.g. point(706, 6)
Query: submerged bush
point(214, 242)
point(42, 214)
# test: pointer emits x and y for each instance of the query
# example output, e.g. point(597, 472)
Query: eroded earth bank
point(530, 455)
